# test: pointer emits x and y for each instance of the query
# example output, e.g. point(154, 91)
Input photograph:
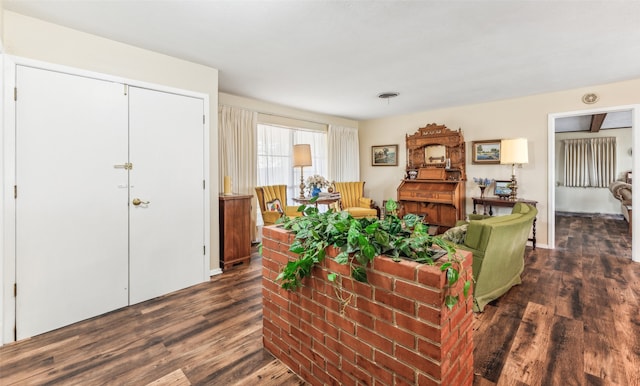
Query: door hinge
point(15, 191)
point(204, 249)
point(203, 184)
point(15, 290)
point(15, 94)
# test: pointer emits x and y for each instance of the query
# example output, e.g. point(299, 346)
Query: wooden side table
point(499, 202)
point(235, 235)
point(326, 199)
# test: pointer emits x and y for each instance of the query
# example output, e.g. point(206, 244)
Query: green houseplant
point(360, 240)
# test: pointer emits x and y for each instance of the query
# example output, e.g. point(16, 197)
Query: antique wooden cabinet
point(235, 235)
point(434, 184)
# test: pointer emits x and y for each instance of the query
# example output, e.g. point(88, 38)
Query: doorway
point(552, 182)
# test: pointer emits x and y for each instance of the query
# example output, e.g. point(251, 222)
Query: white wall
point(36, 39)
point(518, 117)
point(592, 200)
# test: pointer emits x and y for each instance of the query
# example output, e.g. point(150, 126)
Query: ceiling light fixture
point(388, 95)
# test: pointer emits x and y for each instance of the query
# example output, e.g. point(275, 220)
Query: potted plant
point(360, 240)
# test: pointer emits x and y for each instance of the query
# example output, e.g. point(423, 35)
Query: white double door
point(110, 197)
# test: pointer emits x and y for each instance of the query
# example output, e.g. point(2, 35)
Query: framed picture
point(486, 152)
point(384, 155)
point(502, 189)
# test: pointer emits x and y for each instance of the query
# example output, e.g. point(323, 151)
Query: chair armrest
point(270, 217)
point(292, 211)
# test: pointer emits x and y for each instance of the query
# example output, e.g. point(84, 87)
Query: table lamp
point(301, 158)
point(514, 151)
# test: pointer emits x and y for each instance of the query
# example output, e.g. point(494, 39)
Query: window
point(275, 148)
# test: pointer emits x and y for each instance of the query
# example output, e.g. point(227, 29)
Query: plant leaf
point(467, 286)
point(332, 277)
point(359, 274)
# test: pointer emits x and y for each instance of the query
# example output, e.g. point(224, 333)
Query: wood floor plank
point(176, 378)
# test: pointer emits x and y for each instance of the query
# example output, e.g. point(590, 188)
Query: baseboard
point(214, 272)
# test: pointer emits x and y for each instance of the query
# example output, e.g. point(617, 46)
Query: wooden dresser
point(235, 235)
point(434, 184)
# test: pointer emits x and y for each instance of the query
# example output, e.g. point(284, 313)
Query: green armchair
point(497, 244)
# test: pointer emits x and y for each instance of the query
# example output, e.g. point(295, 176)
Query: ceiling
point(612, 120)
point(335, 57)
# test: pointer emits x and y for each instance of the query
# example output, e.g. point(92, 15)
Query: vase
point(482, 188)
point(315, 192)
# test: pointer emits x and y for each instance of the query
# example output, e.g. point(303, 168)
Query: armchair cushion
point(274, 206)
point(456, 234)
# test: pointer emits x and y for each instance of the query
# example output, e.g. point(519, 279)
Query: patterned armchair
point(352, 200)
point(273, 203)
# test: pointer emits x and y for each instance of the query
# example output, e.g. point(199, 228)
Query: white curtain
point(238, 153)
point(344, 154)
point(589, 162)
point(603, 161)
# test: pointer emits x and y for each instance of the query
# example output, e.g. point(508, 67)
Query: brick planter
point(394, 330)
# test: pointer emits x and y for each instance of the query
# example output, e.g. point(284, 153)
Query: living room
point(528, 116)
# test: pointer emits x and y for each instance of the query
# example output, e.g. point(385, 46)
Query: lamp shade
point(514, 151)
point(301, 155)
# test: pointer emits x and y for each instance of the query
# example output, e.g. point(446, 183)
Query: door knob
point(137, 201)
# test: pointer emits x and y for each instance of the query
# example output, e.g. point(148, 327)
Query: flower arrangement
point(317, 181)
point(482, 181)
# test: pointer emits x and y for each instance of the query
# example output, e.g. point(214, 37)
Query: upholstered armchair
point(352, 200)
point(273, 203)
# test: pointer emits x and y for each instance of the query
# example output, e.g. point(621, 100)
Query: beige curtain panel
point(589, 162)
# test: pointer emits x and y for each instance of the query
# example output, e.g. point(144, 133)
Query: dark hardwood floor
point(574, 321)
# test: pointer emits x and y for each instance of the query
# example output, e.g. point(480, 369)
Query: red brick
point(421, 329)
point(430, 314)
point(313, 307)
point(380, 280)
point(375, 340)
point(327, 328)
point(378, 310)
point(424, 380)
point(344, 351)
point(351, 286)
point(420, 293)
point(313, 332)
point(360, 318)
point(378, 372)
point(403, 268)
point(431, 275)
point(326, 301)
point(296, 310)
point(339, 321)
point(421, 363)
point(357, 345)
point(394, 301)
point(322, 375)
point(405, 338)
point(325, 353)
point(341, 269)
point(357, 373)
point(430, 349)
point(304, 339)
point(395, 365)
